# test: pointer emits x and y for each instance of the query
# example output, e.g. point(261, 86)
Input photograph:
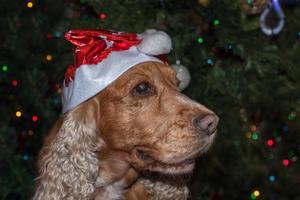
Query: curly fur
point(164, 191)
point(69, 164)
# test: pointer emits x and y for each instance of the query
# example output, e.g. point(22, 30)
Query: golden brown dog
point(140, 122)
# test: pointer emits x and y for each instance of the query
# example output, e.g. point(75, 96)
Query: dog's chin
point(144, 162)
point(185, 167)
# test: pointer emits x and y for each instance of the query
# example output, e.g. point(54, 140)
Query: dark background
point(251, 80)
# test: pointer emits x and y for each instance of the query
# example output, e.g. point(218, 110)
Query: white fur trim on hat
point(91, 79)
point(154, 42)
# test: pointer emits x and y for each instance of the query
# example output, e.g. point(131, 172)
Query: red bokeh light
point(14, 82)
point(34, 118)
point(102, 16)
point(286, 162)
point(270, 142)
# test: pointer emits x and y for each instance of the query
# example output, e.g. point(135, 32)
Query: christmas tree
point(249, 77)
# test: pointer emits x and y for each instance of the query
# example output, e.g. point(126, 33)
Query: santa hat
point(102, 56)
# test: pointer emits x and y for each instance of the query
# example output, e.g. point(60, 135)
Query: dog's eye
point(143, 88)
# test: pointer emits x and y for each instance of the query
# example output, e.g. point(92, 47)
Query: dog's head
point(144, 114)
point(140, 114)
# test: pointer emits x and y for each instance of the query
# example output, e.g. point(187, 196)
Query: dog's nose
point(207, 123)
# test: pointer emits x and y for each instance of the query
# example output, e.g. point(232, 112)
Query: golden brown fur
point(106, 141)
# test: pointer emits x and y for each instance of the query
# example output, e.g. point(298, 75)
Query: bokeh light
point(272, 178)
point(286, 162)
point(18, 114)
point(14, 83)
point(4, 68)
point(49, 57)
point(270, 142)
point(29, 4)
point(34, 118)
point(102, 16)
point(200, 40)
point(216, 22)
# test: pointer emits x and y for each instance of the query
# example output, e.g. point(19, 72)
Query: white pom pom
point(154, 42)
point(183, 75)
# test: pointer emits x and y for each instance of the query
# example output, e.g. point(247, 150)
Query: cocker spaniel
point(127, 132)
point(139, 123)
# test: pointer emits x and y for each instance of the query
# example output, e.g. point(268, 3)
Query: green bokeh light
point(254, 136)
point(216, 22)
point(5, 68)
point(250, 2)
point(200, 40)
point(292, 116)
point(253, 196)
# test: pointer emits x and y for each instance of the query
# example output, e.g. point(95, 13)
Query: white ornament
point(154, 42)
point(273, 5)
point(183, 75)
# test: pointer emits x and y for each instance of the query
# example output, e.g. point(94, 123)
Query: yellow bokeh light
point(248, 135)
point(256, 193)
point(18, 114)
point(29, 4)
point(49, 57)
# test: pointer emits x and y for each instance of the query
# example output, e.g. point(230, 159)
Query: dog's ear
point(68, 161)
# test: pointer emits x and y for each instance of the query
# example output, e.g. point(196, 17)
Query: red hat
point(102, 56)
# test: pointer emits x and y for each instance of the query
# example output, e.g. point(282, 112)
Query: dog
point(139, 123)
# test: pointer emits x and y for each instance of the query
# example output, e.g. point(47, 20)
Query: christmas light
point(102, 16)
point(25, 157)
point(285, 162)
point(4, 68)
point(294, 158)
point(14, 82)
point(252, 196)
point(57, 34)
point(292, 116)
point(58, 88)
point(216, 22)
point(250, 2)
point(209, 61)
point(200, 40)
point(254, 136)
point(230, 46)
point(248, 135)
point(34, 118)
point(59, 91)
point(49, 57)
point(18, 114)
point(270, 142)
point(253, 128)
point(272, 178)
point(29, 4)
point(256, 193)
